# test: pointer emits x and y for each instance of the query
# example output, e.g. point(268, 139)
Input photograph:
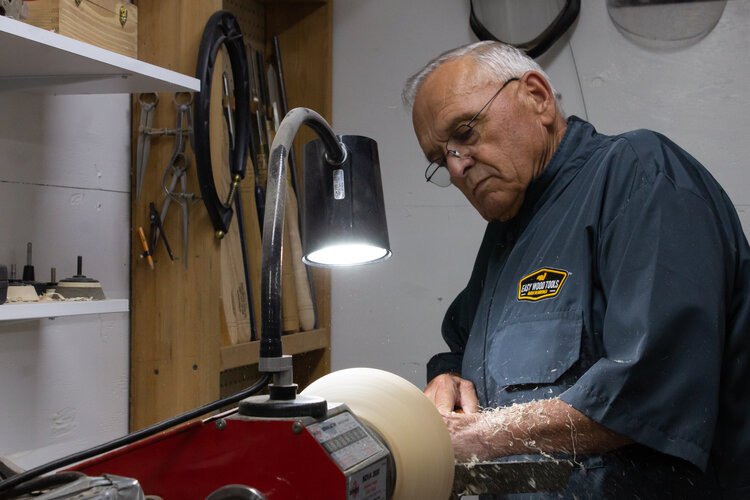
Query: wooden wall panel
point(176, 353)
point(174, 310)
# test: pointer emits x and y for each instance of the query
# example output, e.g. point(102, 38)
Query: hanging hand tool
point(226, 104)
point(146, 250)
point(284, 105)
point(157, 231)
point(273, 99)
point(147, 102)
point(183, 101)
point(178, 172)
point(290, 304)
point(234, 197)
point(294, 266)
point(222, 31)
point(177, 168)
point(259, 140)
point(246, 266)
point(302, 279)
point(265, 109)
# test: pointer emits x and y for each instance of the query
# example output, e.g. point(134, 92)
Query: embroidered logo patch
point(544, 283)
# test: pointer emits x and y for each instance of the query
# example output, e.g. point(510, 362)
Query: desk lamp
point(343, 224)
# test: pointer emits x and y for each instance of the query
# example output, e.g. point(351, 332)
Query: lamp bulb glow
point(346, 255)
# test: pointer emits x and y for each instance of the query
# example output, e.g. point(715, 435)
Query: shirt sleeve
point(459, 317)
point(661, 269)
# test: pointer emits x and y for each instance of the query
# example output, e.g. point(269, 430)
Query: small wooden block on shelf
point(109, 24)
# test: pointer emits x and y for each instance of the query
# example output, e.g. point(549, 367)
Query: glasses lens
point(463, 136)
point(438, 175)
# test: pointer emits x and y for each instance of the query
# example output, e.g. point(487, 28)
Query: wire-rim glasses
point(462, 136)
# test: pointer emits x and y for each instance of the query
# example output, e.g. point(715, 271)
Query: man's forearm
point(543, 426)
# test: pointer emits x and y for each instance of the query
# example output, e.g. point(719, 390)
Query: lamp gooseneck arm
point(273, 224)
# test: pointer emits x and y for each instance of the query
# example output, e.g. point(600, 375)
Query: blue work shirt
point(620, 287)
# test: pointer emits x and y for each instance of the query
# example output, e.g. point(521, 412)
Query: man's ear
point(541, 96)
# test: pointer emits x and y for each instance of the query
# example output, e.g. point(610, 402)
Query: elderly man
point(607, 317)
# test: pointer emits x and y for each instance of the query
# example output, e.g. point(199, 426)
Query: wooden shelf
point(295, 343)
point(39, 61)
point(37, 310)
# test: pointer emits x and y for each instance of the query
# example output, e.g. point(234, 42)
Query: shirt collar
point(570, 155)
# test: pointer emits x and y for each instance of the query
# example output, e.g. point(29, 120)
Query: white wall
point(388, 315)
point(64, 187)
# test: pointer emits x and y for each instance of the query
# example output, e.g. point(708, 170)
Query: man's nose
point(458, 164)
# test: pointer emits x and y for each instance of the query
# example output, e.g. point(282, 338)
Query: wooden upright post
point(174, 311)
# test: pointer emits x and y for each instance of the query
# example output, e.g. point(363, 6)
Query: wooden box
point(109, 24)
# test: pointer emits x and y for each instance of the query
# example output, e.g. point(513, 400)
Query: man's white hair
point(498, 60)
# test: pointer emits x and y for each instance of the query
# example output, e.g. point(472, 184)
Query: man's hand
point(469, 435)
point(449, 391)
point(542, 426)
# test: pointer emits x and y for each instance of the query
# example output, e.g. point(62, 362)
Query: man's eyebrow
point(440, 150)
point(454, 123)
point(464, 117)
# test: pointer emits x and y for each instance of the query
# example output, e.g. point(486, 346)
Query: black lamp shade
point(344, 214)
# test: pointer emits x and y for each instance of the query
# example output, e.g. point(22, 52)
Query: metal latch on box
point(123, 11)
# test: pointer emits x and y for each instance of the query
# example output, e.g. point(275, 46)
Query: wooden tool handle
point(234, 301)
point(233, 293)
point(304, 295)
point(289, 309)
point(252, 242)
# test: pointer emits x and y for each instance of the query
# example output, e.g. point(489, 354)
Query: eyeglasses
point(462, 137)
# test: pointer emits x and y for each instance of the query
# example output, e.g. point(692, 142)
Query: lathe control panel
point(360, 455)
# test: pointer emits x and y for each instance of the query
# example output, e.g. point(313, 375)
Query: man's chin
point(496, 213)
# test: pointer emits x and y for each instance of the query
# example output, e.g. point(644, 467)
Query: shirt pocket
point(534, 349)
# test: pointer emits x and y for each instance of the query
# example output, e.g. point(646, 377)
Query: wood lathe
point(377, 438)
point(388, 441)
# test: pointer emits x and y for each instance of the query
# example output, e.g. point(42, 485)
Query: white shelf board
point(37, 310)
point(39, 61)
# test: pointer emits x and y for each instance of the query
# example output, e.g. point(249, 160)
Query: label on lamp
point(339, 193)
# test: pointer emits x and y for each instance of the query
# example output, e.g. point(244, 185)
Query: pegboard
point(252, 18)
point(237, 379)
